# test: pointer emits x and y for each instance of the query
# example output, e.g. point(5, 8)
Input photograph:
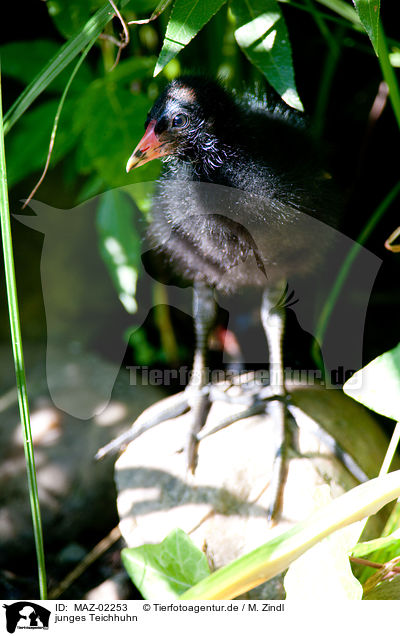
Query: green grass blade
point(65, 55)
point(19, 361)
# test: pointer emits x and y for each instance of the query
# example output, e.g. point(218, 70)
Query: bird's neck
point(210, 162)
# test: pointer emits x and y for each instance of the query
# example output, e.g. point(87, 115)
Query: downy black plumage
point(250, 230)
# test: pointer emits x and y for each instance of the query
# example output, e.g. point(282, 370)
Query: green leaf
point(277, 554)
point(132, 69)
point(149, 5)
point(368, 11)
point(58, 62)
point(22, 61)
point(377, 385)
point(111, 121)
point(119, 244)
point(262, 35)
point(166, 569)
point(27, 145)
point(379, 550)
point(70, 16)
point(187, 18)
point(324, 571)
point(367, 547)
point(385, 591)
point(114, 127)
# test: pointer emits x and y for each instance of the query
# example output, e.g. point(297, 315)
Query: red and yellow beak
point(148, 148)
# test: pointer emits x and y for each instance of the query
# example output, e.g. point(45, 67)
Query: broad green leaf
point(27, 145)
point(143, 6)
point(132, 69)
point(111, 120)
point(377, 385)
point(276, 555)
point(119, 244)
point(368, 11)
point(70, 16)
point(148, 5)
point(385, 591)
point(166, 569)
point(324, 571)
point(262, 35)
point(379, 550)
point(59, 61)
point(23, 60)
point(187, 18)
point(367, 547)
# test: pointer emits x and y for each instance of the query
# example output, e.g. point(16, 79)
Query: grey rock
point(223, 506)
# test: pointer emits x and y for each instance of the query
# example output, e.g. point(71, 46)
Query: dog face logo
point(26, 615)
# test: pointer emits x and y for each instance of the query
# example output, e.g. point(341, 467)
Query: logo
point(26, 615)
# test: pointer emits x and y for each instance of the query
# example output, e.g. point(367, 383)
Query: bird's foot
point(258, 403)
point(195, 400)
point(199, 403)
point(166, 409)
point(278, 410)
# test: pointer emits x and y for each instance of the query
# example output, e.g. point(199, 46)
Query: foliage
point(119, 244)
point(274, 556)
point(98, 108)
point(377, 385)
point(122, 94)
point(168, 569)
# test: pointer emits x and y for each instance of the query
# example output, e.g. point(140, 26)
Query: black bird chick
point(231, 211)
point(204, 134)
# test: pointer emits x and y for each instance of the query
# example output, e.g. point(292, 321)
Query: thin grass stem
point(19, 362)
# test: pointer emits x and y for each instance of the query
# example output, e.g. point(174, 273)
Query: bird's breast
point(228, 237)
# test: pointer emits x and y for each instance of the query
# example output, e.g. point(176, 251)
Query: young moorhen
point(229, 212)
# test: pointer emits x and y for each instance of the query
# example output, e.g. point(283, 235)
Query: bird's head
point(183, 123)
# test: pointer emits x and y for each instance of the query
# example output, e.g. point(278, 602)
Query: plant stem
point(372, 564)
point(19, 361)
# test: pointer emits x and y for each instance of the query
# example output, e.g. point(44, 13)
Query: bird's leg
point(204, 311)
point(196, 396)
point(273, 320)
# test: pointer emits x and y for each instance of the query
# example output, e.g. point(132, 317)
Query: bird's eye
point(180, 121)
